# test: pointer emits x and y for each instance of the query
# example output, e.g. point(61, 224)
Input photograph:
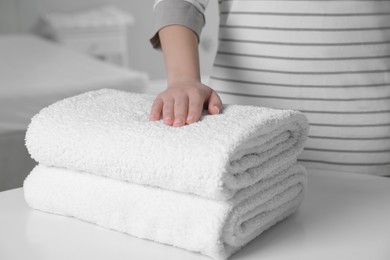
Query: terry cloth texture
point(209, 187)
point(108, 133)
point(213, 227)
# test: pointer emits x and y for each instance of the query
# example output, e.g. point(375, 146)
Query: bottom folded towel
point(212, 227)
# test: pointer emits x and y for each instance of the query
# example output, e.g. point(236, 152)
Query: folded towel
point(213, 227)
point(108, 133)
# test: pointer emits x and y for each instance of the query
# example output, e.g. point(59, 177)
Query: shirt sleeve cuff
point(178, 12)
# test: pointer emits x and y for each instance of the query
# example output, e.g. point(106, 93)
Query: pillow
point(328, 59)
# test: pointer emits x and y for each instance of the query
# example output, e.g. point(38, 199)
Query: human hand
point(183, 102)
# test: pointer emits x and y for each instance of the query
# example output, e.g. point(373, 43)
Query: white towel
point(213, 227)
point(108, 133)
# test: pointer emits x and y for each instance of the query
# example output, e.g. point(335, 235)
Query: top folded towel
point(108, 133)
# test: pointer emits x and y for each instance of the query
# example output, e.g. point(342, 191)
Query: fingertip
point(155, 113)
point(190, 119)
point(214, 110)
point(154, 117)
point(179, 121)
point(167, 120)
point(215, 104)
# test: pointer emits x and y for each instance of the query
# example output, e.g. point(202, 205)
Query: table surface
point(344, 216)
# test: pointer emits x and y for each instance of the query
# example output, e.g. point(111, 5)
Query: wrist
point(183, 81)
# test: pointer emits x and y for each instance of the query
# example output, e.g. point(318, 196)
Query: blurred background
point(22, 16)
point(53, 49)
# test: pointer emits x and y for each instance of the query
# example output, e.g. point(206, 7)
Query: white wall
point(20, 16)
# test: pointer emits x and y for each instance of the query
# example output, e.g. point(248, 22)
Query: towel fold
point(213, 227)
point(108, 133)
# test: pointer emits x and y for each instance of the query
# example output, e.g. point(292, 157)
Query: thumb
point(215, 104)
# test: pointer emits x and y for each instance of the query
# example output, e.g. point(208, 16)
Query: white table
point(344, 216)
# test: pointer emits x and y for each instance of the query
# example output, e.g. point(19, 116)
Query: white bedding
point(35, 73)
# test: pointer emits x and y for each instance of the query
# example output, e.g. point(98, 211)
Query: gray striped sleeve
point(180, 12)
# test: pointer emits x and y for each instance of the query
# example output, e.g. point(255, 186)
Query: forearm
point(179, 23)
point(181, 56)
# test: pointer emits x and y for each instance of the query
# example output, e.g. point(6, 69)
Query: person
point(327, 59)
point(184, 99)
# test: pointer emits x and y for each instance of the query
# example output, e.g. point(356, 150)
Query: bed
point(35, 73)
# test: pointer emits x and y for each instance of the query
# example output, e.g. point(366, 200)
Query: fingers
point(215, 104)
point(155, 112)
point(173, 110)
point(179, 107)
point(167, 112)
point(180, 110)
point(195, 108)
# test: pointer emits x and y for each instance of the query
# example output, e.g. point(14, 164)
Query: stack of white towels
point(209, 187)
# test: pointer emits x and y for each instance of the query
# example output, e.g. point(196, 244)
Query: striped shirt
point(329, 59)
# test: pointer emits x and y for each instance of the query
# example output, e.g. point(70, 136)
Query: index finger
point(155, 112)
